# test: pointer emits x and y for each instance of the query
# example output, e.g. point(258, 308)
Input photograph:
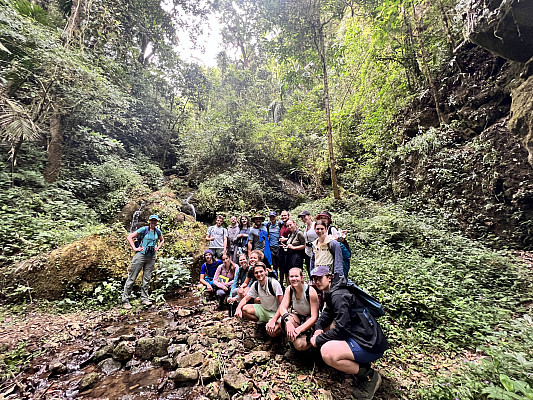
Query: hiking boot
point(127, 306)
point(259, 331)
point(368, 386)
point(146, 302)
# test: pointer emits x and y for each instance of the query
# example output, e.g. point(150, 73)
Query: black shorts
point(274, 251)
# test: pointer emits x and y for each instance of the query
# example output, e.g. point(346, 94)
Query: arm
point(234, 281)
point(215, 278)
point(282, 309)
point(242, 303)
point(161, 241)
point(301, 239)
point(312, 262)
point(130, 238)
point(338, 267)
point(208, 236)
point(250, 240)
point(225, 240)
point(341, 307)
point(204, 282)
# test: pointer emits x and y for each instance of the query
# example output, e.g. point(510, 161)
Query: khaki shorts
point(262, 314)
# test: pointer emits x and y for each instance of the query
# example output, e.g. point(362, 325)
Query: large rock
point(521, 121)
point(105, 351)
point(191, 360)
point(124, 351)
point(209, 370)
point(184, 375)
point(235, 380)
point(504, 27)
point(220, 332)
point(148, 347)
point(109, 366)
point(256, 357)
point(88, 380)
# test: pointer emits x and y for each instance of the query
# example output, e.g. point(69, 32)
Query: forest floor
point(39, 339)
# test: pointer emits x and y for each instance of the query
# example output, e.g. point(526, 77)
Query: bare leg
point(248, 313)
point(337, 354)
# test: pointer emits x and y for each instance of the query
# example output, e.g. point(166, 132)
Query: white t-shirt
point(268, 301)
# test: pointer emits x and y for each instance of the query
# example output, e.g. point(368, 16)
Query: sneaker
point(368, 386)
point(146, 303)
point(127, 306)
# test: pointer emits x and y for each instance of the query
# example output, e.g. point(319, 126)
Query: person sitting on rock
point(149, 241)
point(239, 287)
point(349, 337)
point(223, 278)
point(269, 292)
point(297, 313)
point(208, 270)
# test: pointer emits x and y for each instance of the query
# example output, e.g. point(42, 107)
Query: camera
point(150, 250)
point(309, 244)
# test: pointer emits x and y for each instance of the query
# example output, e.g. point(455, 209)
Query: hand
point(238, 312)
point(231, 300)
point(271, 326)
point(313, 341)
point(289, 327)
point(209, 287)
point(140, 248)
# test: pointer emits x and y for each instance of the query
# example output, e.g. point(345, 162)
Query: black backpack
point(306, 294)
point(269, 284)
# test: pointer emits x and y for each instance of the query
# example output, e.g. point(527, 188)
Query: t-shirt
point(253, 236)
point(210, 269)
point(268, 301)
point(310, 236)
point(233, 231)
point(218, 233)
point(273, 232)
point(296, 239)
point(322, 253)
point(150, 239)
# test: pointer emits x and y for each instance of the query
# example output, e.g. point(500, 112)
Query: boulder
point(220, 332)
point(209, 370)
point(256, 357)
point(191, 360)
point(124, 351)
point(88, 380)
point(105, 351)
point(521, 121)
point(166, 362)
point(184, 375)
point(148, 347)
point(109, 366)
point(57, 368)
point(504, 27)
point(235, 380)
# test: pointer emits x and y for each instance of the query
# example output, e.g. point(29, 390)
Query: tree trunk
point(332, 164)
point(55, 149)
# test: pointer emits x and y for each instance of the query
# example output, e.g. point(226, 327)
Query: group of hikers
point(248, 265)
point(256, 269)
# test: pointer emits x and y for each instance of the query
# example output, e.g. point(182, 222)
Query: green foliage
point(170, 273)
point(504, 371)
point(12, 362)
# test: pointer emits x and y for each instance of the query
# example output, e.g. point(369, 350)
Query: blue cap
point(321, 270)
point(153, 216)
point(272, 214)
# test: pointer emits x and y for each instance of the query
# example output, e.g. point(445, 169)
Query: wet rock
point(176, 349)
point(209, 370)
point(57, 368)
point(256, 357)
point(132, 363)
point(165, 362)
point(88, 380)
point(109, 366)
point(104, 352)
point(235, 380)
point(124, 351)
point(184, 375)
point(181, 338)
point(148, 347)
point(191, 360)
point(248, 343)
point(128, 338)
point(221, 332)
point(183, 312)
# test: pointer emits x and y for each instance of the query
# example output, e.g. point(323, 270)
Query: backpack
point(346, 255)
point(269, 224)
point(342, 240)
point(269, 284)
point(371, 304)
point(306, 294)
point(144, 232)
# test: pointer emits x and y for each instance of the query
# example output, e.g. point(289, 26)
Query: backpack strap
point(307, 293)
point(271, 287)
point(290, 297)
point(256, 286)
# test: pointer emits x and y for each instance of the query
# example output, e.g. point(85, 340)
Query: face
point(322, 282)
point(243, 262)
point(325, 220)
point(259, 274)
point(295, 276)
point(254, 258)
point(320, 230)
point(257, 222)
point(291, 225)
point(153, 222)
point(244, 221)
point(272, 218)
point(208, 258)
point(226, 260)
point(233, 220)
point(284, 216)
point(219, 221)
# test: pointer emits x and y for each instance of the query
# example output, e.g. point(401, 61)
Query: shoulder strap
point(256, 286)
point(290, 297)
point(307, 293)
point(271, 287)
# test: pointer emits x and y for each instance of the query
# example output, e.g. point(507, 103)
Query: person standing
point(258, 238)
point(310, 236)
point(217, 236)
point(273, 229)
point(294, 249)
point(150, 240)
point(233, 233)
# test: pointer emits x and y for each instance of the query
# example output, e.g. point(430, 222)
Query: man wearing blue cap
point(145, 242)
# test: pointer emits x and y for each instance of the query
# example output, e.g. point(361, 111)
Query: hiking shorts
point(360, 355)
point(262, 314)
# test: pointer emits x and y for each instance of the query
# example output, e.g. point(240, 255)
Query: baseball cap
point(321, 270)
point(305, 212)
point(272, 214)
point(153, 216)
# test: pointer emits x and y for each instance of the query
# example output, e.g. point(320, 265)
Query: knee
point(327, 353)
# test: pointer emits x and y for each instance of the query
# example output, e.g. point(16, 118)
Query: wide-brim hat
point(257, 216)
point(324, 214)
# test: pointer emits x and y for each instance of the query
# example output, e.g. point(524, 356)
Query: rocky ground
point(182, 349)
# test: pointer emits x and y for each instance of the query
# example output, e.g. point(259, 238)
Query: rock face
point(521, 122)
point(504, 27)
